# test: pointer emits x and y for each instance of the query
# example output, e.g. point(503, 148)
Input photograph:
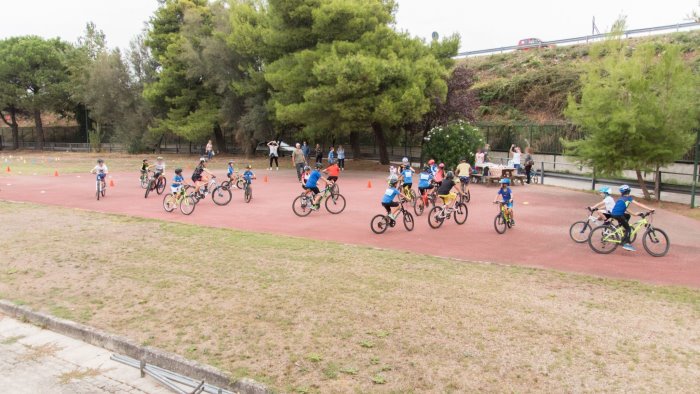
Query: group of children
point(310, 179)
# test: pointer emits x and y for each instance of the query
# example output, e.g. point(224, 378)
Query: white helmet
point(404, 161)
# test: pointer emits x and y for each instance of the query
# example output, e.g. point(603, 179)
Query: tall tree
point(638, 109)
point(11, 92)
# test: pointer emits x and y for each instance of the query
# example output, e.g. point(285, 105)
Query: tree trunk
point(355, 145)
point(381, 143)
point(13, 126)
point(220, 140)
point(643, 185)
point(39, 130)
point(657, 184)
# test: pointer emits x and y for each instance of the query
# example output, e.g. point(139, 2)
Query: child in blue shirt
point(425, 182)
point(178, 180)
point(388, 198)
point(312, 184)
point(506, 196)
point(230, 171)
point(619, 213)
point(248, 175)
point(406, 173)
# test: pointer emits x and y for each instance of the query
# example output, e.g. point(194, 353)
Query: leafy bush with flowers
point(448, 144)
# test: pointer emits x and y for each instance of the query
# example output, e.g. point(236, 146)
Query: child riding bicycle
point(101, 170)
point(200, 176)
point(312, 185)
point(158, 168)
point(608, 202)
point(463, 171)
point(178, 181)
point(619, 213)
point(388, 198)
point(425, 182)
point(506, 196)
point(248, 175)
point(445, 193)
point(406, 175)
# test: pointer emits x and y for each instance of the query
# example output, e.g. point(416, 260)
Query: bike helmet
point(100, 161)
point(178, 171)
point(604, 189)
point(159, 158)
point(442, 165)
point(393, 181)
point(404, 161)
point(307, 168)
point(505, 181)
point(450, 175)
point(625, 189)
point(431, 162)
point(249, 166)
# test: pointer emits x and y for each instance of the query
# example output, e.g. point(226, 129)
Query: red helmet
point(431, 162)
point(442, 165)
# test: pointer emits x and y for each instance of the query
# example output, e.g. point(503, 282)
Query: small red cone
point(8, 169)
point(265, 179)
point(55, 173)
point(369, 184)
point(111, 183)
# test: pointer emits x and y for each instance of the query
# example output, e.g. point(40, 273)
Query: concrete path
point(36, 361)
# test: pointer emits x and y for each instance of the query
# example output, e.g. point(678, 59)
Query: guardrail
point(627, 34)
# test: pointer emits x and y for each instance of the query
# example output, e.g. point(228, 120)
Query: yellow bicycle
point(606, 238)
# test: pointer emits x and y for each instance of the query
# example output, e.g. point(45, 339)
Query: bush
point(448, 144)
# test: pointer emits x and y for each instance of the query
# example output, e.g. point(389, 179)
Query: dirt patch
point(311, 316)
point(79, 374)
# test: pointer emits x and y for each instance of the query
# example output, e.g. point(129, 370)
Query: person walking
point(516, 157)
point(307, 150)
point(331, 156)
point(274, 146)
point(209, 150)
point(529, 162)
point(319, 154)
point(298, 160)
point(341, 157)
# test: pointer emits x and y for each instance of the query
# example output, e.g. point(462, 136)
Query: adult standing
point(331, 156)
point(307, 150)
point(516, 157)
point(486, 150)
point(341, 157)
point(529, 162)
point(319, 154)
point(209, 150)
point(274, 155)
point(298, 160)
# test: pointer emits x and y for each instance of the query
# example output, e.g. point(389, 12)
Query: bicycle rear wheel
point(151, 186)
point(379, 224)
point(461, 213)
point(240, 183)
point(97, 190)
point(103, 189)
point(221, 196)
point(435, 217)
point(656, 242)
point(188, 204)
point(335, 205)
point(160, 185)
point(499, 223)
point(302, 206)
point(408, 221)
point(248, 194)
point(466, 197)
point(144, 182)
point(335, 190)
point(604, 239)
point(419, 207)
point(579, 231)
point(169, 202)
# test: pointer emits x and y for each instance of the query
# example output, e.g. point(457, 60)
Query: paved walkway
point(36, 361)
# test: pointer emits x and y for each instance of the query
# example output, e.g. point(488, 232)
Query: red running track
point(540, 239)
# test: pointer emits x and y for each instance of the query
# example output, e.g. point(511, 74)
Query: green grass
point(311, 316)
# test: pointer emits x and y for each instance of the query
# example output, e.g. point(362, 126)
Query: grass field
point(310, 316)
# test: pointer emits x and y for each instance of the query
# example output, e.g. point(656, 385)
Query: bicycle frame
point(617, 235)
point(504, 211)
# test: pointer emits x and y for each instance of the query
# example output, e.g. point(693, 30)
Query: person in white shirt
point(158, 168)
point(101, 170)
point(516, 157)
point(274, 146)
point(608, 202)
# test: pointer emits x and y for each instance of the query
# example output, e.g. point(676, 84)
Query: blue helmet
point(604, 189)
point(625, 189)
point(505, 181)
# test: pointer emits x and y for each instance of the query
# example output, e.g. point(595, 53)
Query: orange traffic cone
point(111, 183)
point(369, 184)
point(8, 169)
point(265, 179)
point(55, 173)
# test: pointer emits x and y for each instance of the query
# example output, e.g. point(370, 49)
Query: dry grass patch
point(311, 316)
point(79, 374)
point(35, 353)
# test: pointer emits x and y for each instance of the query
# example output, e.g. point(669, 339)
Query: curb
point(121, 345)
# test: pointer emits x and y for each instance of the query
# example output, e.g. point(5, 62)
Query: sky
point(481, 24)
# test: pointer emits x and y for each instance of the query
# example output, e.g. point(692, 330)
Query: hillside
point(532, 86)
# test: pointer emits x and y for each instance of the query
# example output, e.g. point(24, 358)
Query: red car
point(532, 43)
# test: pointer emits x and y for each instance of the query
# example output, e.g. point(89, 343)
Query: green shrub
point(450, 143)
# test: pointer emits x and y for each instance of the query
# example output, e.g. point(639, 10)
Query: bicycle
point(157, 184)
point(423, 202)
point(410, 194)
point(237, 180)
point(221, 196)
point(380, 223)
point(247, 191)
point(101, 186)
point(439, 213)
point(302, 205)
point(502, 221)
point(145, 179)
point(172, 201)
point(466, 196)
point(580, 230)
point(606, 238)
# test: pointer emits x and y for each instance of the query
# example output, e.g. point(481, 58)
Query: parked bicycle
point(606, 238)
point(380, 223)
point(502, 221)
point(302, 205)
point(440, 213)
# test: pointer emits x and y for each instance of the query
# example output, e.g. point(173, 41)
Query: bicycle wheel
point(335, 190)
point(225, 185)
point(408, 221)
point(419, 207)
point(656, 242)
point(221, 196)
point(248, 194)
point(188, 204)
point(335, 205)
point(240, 184)
point(144, 181)
point(579, 231)
point(169, 203)
point(103, 189)
point(160, 185)
point(302, 206)
point(149, 188)
point(435, 217)
point(461, 213)
point(466, 197)
point(604, 239)
point(97, 190)
point(379, 224)
point(499, 223)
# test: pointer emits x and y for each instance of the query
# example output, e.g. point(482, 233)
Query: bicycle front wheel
point(408, 221)
point(379, 224)
point(604, 239)
point(148, 189)
point(302, 206)
point(419, 207)
point(499, 223)
point(461, 213)
point(221, 196)
point(335, 205)
point(144, 182)
point(248, 194)
point(240, 183)
point(335, 190)
point(160, 185)
point(436, 217)
point(169, 202)
point(579, 231)
point(98, 190)
point(656, 242)
point(187, 205)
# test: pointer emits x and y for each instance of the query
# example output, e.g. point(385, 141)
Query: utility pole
point(694, 188)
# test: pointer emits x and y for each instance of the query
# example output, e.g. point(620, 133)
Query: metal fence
point(581, 39)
